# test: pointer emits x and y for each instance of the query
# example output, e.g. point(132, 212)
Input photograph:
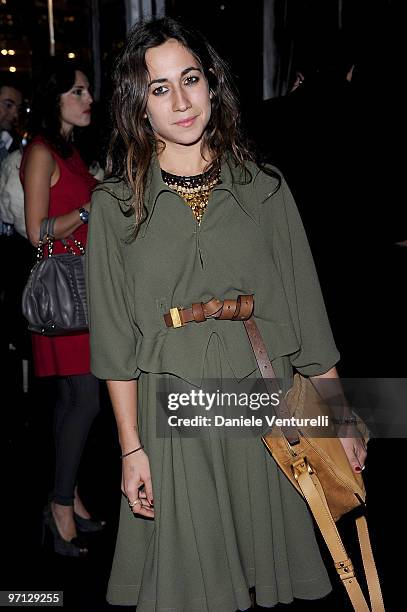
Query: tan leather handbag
point(320, 471)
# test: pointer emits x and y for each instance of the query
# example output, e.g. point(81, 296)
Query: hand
point(136, 476)
point(355, 449)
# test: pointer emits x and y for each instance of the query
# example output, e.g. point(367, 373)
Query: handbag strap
point(47, 228)
point(267, 372)
point(315, 497)
point(47, 236)
point(76, 242)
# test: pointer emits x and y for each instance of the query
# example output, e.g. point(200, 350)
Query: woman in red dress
point(57, 184)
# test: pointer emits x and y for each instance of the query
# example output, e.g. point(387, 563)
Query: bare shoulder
point(38, 155)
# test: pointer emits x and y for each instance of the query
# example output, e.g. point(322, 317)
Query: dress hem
point(128, 596)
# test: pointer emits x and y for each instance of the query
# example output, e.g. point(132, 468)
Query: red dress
point(65, 355)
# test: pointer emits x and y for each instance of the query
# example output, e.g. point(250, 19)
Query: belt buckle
point(176, 317)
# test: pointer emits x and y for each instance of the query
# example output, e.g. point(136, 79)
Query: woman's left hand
point(353, 441)
point(356, 452)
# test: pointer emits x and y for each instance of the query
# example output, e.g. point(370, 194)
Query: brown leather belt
point(240, 309)
point(235, 310)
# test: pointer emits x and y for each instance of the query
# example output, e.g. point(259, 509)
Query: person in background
point(11, 101)
point(57, 184)
point(11, 192)
point(312, 129)
point(14, 344)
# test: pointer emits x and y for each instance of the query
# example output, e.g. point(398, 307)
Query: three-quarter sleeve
point(113, 334)
point(317, 352)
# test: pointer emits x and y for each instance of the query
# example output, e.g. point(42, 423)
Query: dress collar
point(237, 181)
point(240, 182)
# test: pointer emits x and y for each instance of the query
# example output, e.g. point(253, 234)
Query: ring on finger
point(133, 503)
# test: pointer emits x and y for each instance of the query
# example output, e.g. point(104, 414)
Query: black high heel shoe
point(88, 525)
point(76, 547)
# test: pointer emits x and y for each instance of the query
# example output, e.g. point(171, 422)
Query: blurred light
point(28, 109)
point(71, 55)
point(11, 52)
point(13, 69)
point(4, 51)
point(4, 1)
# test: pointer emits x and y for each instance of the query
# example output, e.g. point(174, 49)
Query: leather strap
point(315, 497)
point(375, 593)
point(234, 310)
point(269, 377)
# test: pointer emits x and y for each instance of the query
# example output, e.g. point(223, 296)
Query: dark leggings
point(76, 408)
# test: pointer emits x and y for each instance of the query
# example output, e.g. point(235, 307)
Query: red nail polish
point(358, 469)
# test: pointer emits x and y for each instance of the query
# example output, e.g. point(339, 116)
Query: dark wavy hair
point(133, 142)
point(57, 78)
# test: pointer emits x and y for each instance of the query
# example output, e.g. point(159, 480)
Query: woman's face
point(76, 104)
point(178, 105)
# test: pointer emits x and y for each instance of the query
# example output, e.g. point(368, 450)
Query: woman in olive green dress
point(186, 216)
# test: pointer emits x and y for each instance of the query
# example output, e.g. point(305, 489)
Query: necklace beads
point(194, 190)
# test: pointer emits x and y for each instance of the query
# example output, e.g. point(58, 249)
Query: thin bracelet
point(131, 452)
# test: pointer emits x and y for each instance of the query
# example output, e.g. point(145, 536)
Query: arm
point(123, 395)
point(40, 173)
point(136, 467)
point(113, 341)
point(317, 355)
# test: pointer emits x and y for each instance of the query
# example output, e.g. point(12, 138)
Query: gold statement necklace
point(194, 190)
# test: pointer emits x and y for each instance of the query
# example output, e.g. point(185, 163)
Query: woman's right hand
point(136, 483)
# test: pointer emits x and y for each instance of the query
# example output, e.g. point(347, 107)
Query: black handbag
point(54, 298)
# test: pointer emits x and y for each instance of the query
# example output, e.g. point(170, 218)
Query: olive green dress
point(226, 519)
